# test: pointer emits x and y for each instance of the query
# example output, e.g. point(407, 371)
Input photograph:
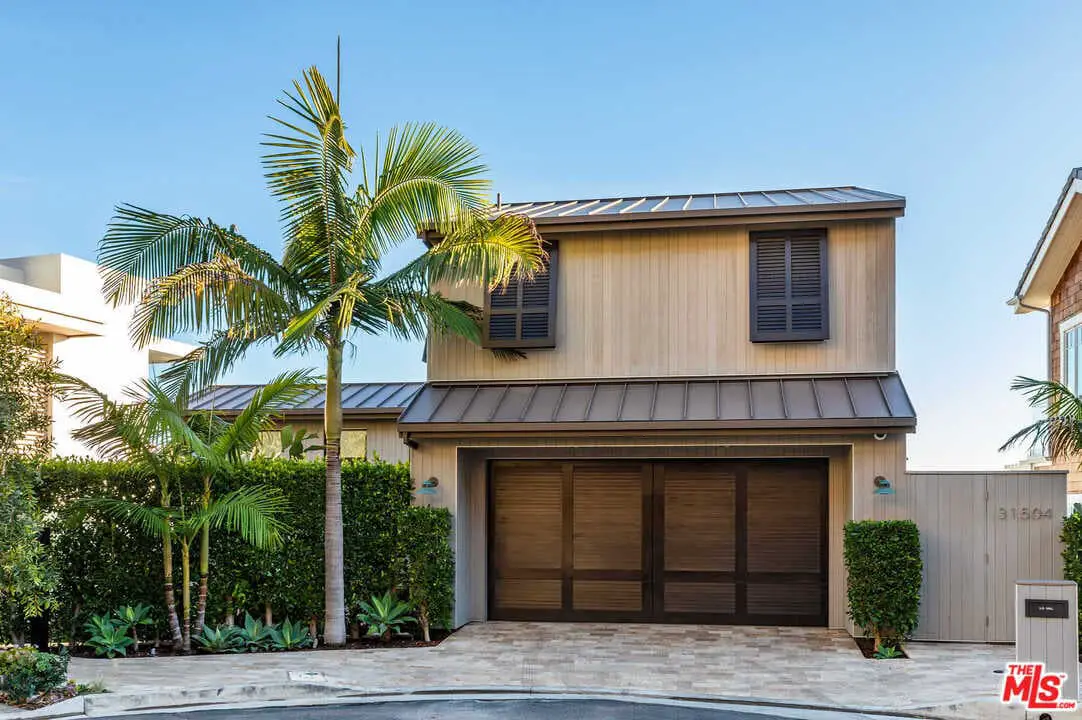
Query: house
point(61, 294)
point(1052, 284)
point(706, 392)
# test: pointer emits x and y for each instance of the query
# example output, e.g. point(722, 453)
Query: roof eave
point(894, 208)
point(896, 424)
point(1021, 300)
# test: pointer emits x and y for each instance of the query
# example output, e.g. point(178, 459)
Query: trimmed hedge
point(884, 564)
point(428, 564)
point(103, 565)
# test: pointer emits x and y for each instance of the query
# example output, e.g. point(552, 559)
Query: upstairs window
point(522, 314)
point(789, 288)
point(1070, 343)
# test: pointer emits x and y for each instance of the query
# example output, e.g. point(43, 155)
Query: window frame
point(518, 343)
point(1071, 325)
point(788, 336)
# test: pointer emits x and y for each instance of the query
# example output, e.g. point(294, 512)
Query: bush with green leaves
point(1071, 537)
point(256, 635)
point(103, 565)
point(290, 636)
point(884, 564)
point(427, 564)
point(384, 615)
point(26, 673)
point(133, 616)
point(108, 636)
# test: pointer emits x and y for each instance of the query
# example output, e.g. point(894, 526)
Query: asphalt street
point(533, 709)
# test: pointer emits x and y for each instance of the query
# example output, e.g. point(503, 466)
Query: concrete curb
point(317, 693)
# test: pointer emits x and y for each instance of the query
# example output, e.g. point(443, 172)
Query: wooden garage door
point(717, 541)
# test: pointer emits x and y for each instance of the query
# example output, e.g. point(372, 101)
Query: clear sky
point(969, 109)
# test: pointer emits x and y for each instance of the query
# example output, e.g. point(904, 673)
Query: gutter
point(1016, 301)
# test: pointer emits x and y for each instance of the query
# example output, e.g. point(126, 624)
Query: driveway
point(794, 665)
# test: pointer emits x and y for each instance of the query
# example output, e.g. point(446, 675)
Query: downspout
point(1048, 342)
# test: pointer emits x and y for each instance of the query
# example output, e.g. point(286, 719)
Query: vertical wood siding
point(973, 556)
point(675, 302)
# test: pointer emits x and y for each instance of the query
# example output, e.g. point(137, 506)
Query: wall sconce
point(428, 487)
point(882, 486)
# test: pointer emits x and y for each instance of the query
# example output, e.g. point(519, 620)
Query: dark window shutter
point(523, 314)
point(789, 287)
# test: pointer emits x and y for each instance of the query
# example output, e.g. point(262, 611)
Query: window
point(523, 314)
point(354, 444)
point(1070, 343)
point(789, 286)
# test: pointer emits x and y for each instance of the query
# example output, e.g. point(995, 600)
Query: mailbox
point(1046, 627)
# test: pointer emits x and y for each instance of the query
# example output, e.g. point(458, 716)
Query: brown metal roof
point(357, 398)
point(814, 401)
point(758, 202)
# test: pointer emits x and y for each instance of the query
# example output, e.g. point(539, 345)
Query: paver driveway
point(791, 664)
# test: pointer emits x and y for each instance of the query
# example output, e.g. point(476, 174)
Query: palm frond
point(1059, 432)
point(252, 512)
point(154, 521)
point(265, 407)
point(202, 367)
point(114, 430)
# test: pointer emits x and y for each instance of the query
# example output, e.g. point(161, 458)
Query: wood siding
point(854, 460)
point(676, 302)
point(976, 541)
point(382, 440)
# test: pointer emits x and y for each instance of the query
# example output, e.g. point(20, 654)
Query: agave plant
point(385, 614)
point(222, 639)
point(255, 635)
point(133, 617)
point(291, 636)
point(108, 637)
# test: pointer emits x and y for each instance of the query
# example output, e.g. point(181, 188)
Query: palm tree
point(1059, 431)
point(187, 274)
point(157, 430)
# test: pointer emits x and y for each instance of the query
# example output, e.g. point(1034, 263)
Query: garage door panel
point(528, 516)
point(608, 595)
point(785, 520)
point(528, 594)
point(608, 517)
point(793, 598)
point(700, 518)
point(700, 597)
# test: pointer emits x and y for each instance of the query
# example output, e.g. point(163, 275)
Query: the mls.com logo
point(1029, 685)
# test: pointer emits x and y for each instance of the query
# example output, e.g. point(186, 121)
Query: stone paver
point(803, 665)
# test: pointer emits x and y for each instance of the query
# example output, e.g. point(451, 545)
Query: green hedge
point(884, 565)
point(1071, 535)
point(103, 565)
point(428, 564)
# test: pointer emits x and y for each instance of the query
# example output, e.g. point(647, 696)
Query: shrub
point(385, 614)
point(427, 564)
point(1071, 536)
point(291, 636)
point(108, 637)
point(26, 673)
point(224, 638)
point(884, 565)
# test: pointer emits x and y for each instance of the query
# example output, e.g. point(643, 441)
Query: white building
point(89, 337)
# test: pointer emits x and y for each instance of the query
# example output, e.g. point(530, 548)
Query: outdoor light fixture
point(882, 486)
point(428, 487)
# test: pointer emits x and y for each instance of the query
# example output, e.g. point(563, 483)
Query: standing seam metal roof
point(867, 400)
point(705, 204)
point(356, 397)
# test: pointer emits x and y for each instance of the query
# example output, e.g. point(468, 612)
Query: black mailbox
point(1046, 608)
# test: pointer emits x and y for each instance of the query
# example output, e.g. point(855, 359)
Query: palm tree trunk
point(334, 621)
point(186, 594)
point(170, 597)
point(204, 563)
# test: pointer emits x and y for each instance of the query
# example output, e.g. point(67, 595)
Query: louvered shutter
point(789, 287)
point(523, 314)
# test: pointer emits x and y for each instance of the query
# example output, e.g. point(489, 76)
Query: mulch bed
point(53, 696)
point(364, 643)
point(867, 648)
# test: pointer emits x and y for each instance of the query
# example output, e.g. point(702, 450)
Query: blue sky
point(970, 109)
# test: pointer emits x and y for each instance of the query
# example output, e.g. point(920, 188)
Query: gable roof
point(704, 205)
point(357, 399)
point(1042, 253)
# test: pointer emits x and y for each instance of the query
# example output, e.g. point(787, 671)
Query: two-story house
point(702, 391)
point(1052, 284)
point(88, 337)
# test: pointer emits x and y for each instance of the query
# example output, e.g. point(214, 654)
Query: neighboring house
point(1052, 284)
point(707, 392)
point(369, 415)
point(61, 294)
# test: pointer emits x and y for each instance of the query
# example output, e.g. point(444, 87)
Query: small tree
point(26, 379)
point(428, 564)
point(884, 565)
point(1071, 536)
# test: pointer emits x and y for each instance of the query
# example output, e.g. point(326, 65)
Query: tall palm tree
point(188, 274)
point(156, 429)
point(1059, 430)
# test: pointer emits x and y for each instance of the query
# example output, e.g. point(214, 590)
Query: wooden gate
point(980, 532)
